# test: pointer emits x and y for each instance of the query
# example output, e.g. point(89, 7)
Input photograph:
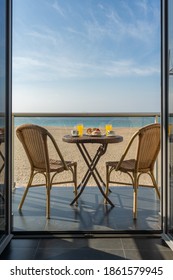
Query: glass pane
point(2, 118)
point(171, 112)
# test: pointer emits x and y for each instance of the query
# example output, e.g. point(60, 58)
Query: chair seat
point(55, 166)
point(126, 166)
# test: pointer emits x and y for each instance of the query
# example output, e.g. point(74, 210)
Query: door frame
point(8, 125)
point(165, 117)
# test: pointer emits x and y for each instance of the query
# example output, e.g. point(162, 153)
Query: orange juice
point(108, 127)
point(80, 129)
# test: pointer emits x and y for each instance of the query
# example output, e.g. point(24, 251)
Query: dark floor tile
point(87, 249)
point(24, 243)
point(167, 255)
point(19, 249)
point(18, 254)
point(105, 243)
point(73, 243)
point(79, 254)
point(151, 244)
point(149, 254)
point(64, 243)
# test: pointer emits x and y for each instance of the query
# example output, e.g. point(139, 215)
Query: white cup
point(110, 133)
point(74, 132)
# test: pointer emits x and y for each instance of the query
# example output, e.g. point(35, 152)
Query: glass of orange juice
point(108, 127)
point(80, 129)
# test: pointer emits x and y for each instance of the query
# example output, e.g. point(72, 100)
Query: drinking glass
point(80, 129)
point(108, 127)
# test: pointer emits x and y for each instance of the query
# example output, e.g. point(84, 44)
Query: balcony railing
point(59, 124)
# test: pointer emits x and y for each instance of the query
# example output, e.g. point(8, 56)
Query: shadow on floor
point(90, 215)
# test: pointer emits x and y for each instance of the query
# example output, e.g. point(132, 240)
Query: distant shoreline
point(67, 122)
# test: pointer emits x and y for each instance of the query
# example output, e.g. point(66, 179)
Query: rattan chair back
point(148, 147)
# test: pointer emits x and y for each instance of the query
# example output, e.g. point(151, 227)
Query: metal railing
point(154, 115)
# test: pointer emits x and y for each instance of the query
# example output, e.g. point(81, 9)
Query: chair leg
point(26, 190)
point(107, 183)
point(75, 182)
point(23, 197)
point(135, 196)
point(155, 183)
point(48, 188)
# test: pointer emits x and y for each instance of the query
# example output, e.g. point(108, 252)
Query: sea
point(86, 121)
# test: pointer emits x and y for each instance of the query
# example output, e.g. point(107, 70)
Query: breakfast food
point(96, 132)
point(93, 131)
point(89, 130)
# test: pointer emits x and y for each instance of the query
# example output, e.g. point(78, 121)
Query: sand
point(71, 152)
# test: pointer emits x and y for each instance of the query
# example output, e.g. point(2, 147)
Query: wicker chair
point(35, 142)
point(148, 148)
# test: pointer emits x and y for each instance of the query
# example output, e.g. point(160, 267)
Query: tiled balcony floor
point(90, 215)
point(87, 249)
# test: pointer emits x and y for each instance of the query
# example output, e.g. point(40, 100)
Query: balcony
point(91, 215)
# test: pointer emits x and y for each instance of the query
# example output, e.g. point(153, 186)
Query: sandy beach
point(71, 152)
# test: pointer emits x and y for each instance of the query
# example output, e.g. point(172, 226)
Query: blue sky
point(86, 55)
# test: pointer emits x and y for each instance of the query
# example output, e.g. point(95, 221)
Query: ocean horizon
point(86, 121)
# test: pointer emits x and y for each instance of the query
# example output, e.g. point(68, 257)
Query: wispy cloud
point(51, 68)
point(58, 8)
point(143, 5)
point(120, 26)
point(46, 36)
point(130, 68)
point(22, 62)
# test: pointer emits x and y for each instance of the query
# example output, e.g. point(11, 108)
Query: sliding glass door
point(5, 124)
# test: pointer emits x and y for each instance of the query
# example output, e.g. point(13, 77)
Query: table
point(91, 163)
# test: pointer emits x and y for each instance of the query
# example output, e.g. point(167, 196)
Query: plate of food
point(93, 132)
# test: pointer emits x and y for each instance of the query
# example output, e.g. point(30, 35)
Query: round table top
point(92, 139)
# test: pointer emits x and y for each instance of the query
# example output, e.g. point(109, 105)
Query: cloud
point(51, 69)
point(21, 63)
point(101, 45)
point(143, 5)
point(129, 68)
point(58, 9)
point(45, 37)
point(118, 24)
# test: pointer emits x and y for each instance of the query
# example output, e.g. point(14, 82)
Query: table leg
point(92, 170)
point(90, 159)
point(85, 154)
